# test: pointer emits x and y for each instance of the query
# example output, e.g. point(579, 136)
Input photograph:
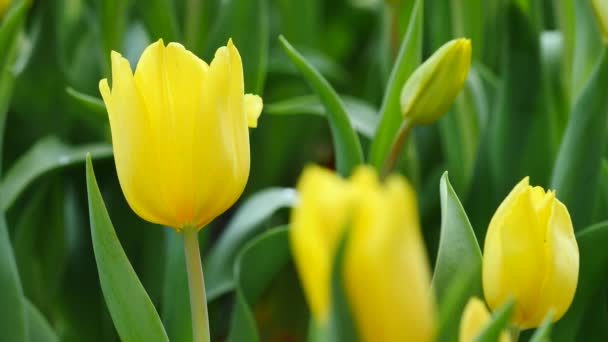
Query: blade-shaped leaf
point(245, 224)
point(39, 328)
point(94, 104)
point(13, 323)
point(576, 173)
point(46, 155)
point(132, 311)
point(362, 115)
point(408, 59)
point(256, 266)
point(543, 333)
point(500, 319)
point(346, 143)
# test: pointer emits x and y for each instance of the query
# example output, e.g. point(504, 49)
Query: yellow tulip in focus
point(474, 319)
point(432, 88)
point(180, 132)
point(531, 254)
point(600, 8)
point(385, 270)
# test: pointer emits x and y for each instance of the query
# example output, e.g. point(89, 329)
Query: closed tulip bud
point(474, 319)
point(180, 132)
point(385, 272)
point(531, 254)
point(600, 8)
point(430, 91)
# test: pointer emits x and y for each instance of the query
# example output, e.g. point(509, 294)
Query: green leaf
point(543, 332)
point(39, 329)
point(576, 174)
point(47, 155)
point(133, 314)
point(13, 323)
point(256, 266)
point(11, 25)
point(94, 104)
point(250, 39)
point(468, 21)
point(346, 143)
point(362, 115)
point(245, 224)
point(593, 267)
point(500, 319)
point(408, 59)
point(113, 22)
point(160, 19)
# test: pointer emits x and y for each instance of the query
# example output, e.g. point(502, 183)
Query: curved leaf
point(93, 104)
point(38, 327)
point(362, 115)
point(12, 311)
point(408, 59)
point(543, 333)
point(346, 142)
point(132, 311)
point(245, 224)
point(576, 173)
point(500, 319)
point(256, 266)
point(46, 155)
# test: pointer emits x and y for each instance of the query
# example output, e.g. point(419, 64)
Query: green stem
point(397, 146)
point(196, 283)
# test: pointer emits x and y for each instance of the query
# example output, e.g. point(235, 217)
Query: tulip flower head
point(180, 132)
point(430, 91)
point(385, 271)
point(531, 254)
point(474, 319)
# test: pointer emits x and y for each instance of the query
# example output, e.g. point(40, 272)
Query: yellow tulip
point(430, 91)
point(179, 132)
point(386, 275)
point(531, 254)
point(600, 8)
point(474, 319)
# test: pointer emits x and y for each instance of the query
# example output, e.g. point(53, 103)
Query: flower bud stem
point(196, 283)
point(397, 146)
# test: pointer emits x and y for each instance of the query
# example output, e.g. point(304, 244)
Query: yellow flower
point(179, 131)
point(600, 8)
point(531, 254)
point(474, 319)
point(386, 274)
point(430, 91)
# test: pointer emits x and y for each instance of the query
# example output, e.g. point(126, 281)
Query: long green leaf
point(39, 328)
point(93, 104)
point(362, 115)
point(410, 54)
point(346, 142)
point(13, 323)
point(593, 268)
point(577, 169)
point(9, 31)
point(133, 314)
point(46, 155)
point(256, 266)
point(500, 319)
point(543, 333)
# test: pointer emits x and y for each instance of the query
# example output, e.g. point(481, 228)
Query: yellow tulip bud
point(531, 254)
point(474, 319)
point(430, 91)
point(179, 132)
point(600, 8)
point(385, 270)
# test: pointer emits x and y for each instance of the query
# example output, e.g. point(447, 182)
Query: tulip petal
point(253, 109)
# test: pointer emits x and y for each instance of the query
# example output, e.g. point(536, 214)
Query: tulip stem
point(196, 284)
point(397, 146)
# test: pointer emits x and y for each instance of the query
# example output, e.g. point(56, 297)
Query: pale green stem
point(514, 332)
point(196, 283)
point(397, 146)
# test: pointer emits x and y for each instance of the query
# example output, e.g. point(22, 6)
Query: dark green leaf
point(362, 115)
point(408, 59)
point(11, 25)
point(255, 267)
point(576, 173)
point(39, 329)
point(13, 318)
point(346, 143)
point(133, 314)
point(245, 224)
point(46, 155)
point(94, 104)
point(500, 319)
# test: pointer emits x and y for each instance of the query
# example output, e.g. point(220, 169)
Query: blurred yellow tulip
point(4, 5)
point(531, 254)
point(474, 318)
point(179, 132)
point(429, 93)
point(386, 275)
